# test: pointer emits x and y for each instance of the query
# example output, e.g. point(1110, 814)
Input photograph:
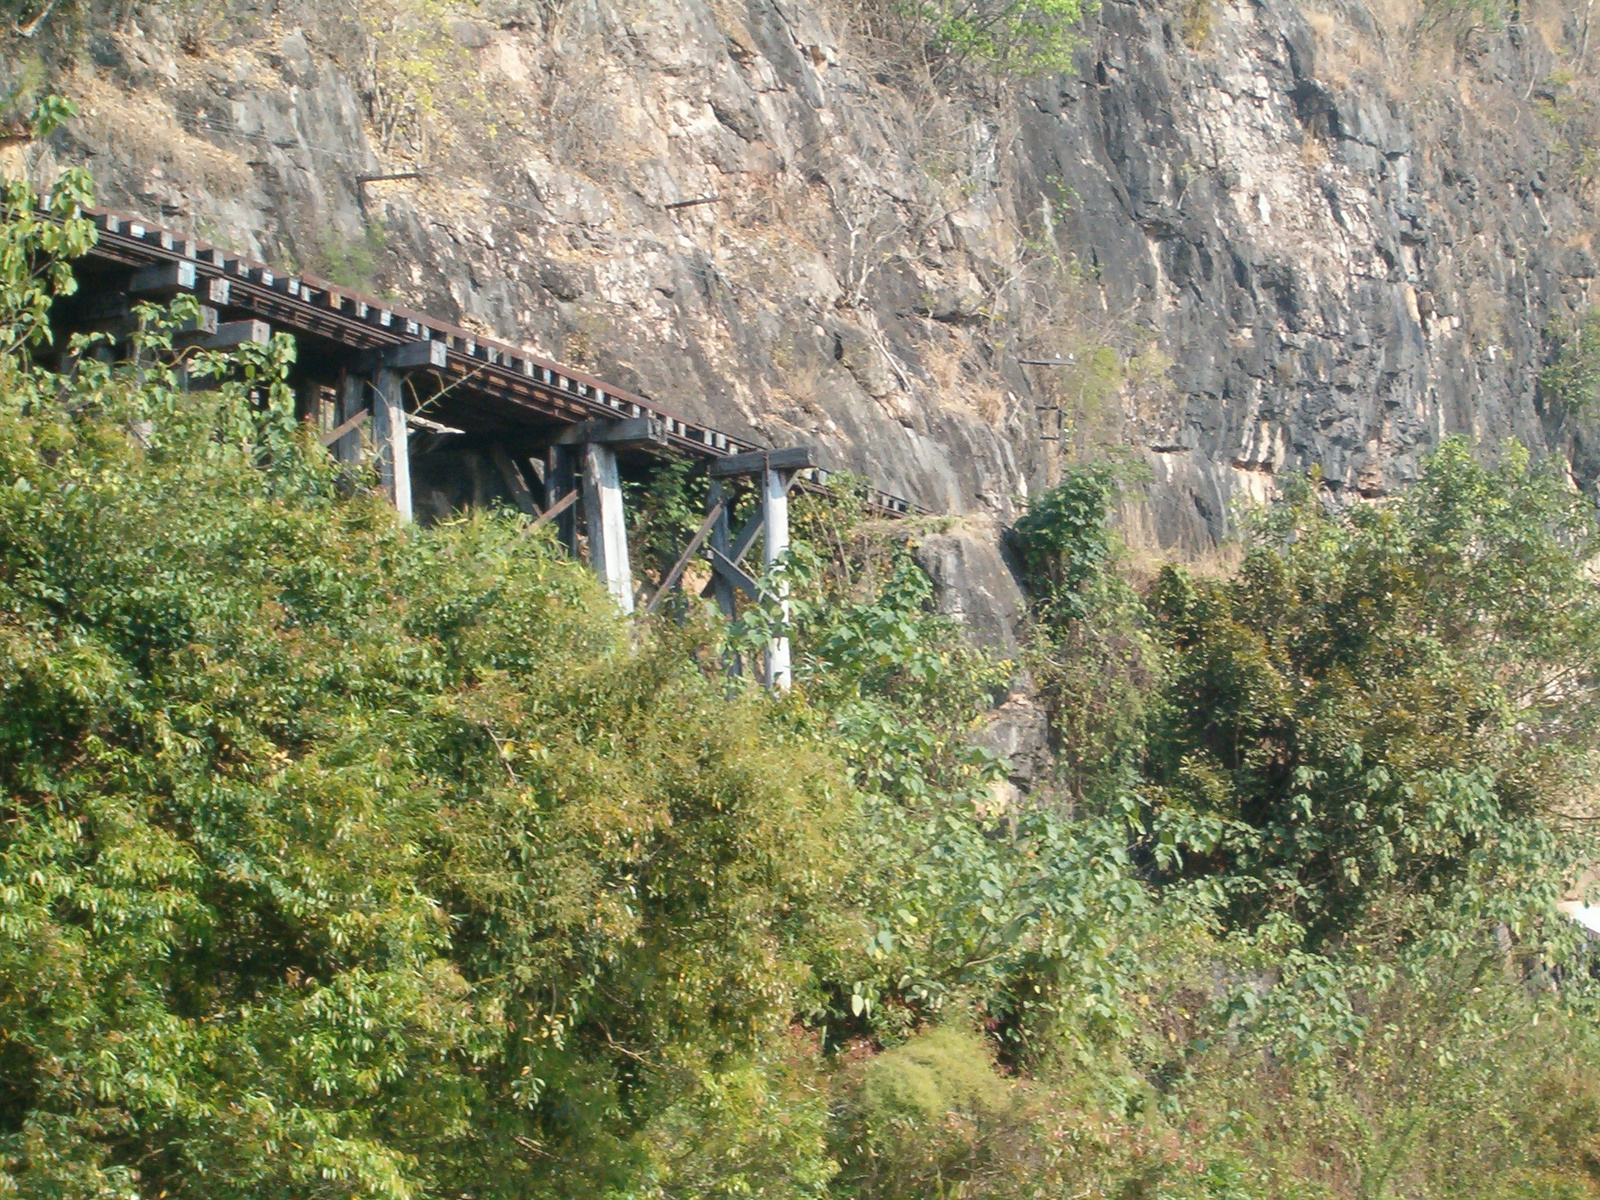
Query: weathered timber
point(683, 560)
point(555, 510)
point(438, 428)
point(389, 437)
point(775, 517)
point(754, 462)
point(734, 574)
point(718, 499)
point(351, 407)
point(514, 481)
point(163, 280)
point(635, 433)
point(344, 427)
point(206, 322)
point(560, 479)
point(408, 356)
point(608, 529)
point(232, 334)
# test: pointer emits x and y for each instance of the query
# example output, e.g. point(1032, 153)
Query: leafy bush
point(1064, 539)
point(1091, 650)
point(918, 1115)
point(1027, 37)
point(342, 859)
point(1383, 695)
point(1004, 37)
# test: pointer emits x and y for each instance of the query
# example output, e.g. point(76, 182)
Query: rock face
point(1257, 236)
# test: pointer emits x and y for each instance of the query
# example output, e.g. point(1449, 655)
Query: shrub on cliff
point(1381, 697)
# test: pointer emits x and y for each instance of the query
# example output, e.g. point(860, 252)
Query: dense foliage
point(337, 860)
point(1379, 694)
point(340, 859)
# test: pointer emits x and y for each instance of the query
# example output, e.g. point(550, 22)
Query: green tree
point(1380, 692)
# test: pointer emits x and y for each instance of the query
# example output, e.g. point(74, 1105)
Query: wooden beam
point(555, 510)
point(205, 322)
point(163, 279)
point(754, 462)
point(408, 356)
point(236, 333)
point(389, 433)
point(349, 426)
point(514, 481)
point(438, 428)
point(747, 534)
point(683, 561)
point(633, 433)
point(734, 574)
point(608, 530)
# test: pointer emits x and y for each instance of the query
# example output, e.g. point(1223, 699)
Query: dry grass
point(146, 131)
point(1145, 557)
point(1342, 51)
point(956, 384)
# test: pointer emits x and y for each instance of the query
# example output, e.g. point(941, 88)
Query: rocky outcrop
point(1293, 234)
point(976, 583)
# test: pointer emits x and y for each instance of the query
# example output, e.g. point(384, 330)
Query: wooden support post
point(352, 404)
point(559, 483)
point(390, 430)
point(608, 530)
point(775, 514)
point(390, 434)
point(722, 543)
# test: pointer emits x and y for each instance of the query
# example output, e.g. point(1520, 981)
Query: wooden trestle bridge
point(429, 403)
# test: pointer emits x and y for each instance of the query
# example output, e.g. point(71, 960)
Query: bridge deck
point(491, 390)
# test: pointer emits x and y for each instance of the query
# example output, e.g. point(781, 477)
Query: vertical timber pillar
point(775, 519)
point(390, 434)
point(388, 367)
point(608, 530)
point(352, 399)
point(773, 471)
point(559, 480)
point(722, 543)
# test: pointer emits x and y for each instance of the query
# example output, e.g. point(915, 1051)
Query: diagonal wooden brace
point(734, 574)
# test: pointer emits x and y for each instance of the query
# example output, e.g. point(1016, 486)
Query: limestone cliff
point(1257, 235)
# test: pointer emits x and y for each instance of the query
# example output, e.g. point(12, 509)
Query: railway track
point(488, 388)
